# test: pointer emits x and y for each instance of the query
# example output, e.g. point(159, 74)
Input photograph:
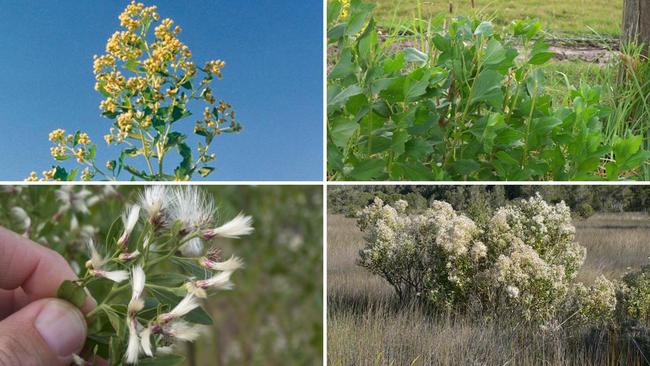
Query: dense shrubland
point(521, 262)
point(467, 102)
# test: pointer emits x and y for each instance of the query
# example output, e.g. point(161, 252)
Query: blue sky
point(273, 78)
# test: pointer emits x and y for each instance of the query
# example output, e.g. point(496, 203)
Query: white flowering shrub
point(432, 255)
point(636, 293)
point(592, 305)
point(524, 257)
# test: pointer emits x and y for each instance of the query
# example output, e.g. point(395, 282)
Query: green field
point(561, 17)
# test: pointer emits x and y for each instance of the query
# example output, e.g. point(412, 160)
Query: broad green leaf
point(368, 169)
point(344, 66)
point(485, 29)
point(465, 166)
point(342, 97)
point(487, 89)
point(342, 132)
point(359, 13)
point(494, 53)
point(72, 292)
point(416, 56)
point(168, 359)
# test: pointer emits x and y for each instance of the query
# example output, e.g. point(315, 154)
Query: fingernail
point(62, 326)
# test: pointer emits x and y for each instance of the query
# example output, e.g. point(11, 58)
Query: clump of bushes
point(523, 260)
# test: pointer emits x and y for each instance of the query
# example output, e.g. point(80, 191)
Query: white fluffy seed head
point(20, 215)
point(183, 330)
point(154, 201)
point(133, 347)
point(189, 303)
point(145, 341)
point(230, 265)
point(193, 207)
point(137, 283)
point(240, 225)
point(193, 248)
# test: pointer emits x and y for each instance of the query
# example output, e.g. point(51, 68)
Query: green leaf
point(484, 29)
point(344, 66)
point(178, 113)
point(368, 169)
point(71, 292)
point(416, 56)
point(199, 316)
point(205, 171)
point(131, 65)
point(359, 13)
point(487, 89)
point(494, 53)
point(169, 359)
point(367, 43)
point(465, 166)
point(342, 97)
point(342, 132)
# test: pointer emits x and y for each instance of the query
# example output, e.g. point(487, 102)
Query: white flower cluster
point(436, 251)
point(592, 305)
point(526, 254)
point(188, 214)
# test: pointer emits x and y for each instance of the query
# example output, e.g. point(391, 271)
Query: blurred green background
point(274, 314)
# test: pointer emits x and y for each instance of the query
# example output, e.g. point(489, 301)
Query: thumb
point(45, 332)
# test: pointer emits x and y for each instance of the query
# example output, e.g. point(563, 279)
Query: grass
point(366, 326)
point(561, 17)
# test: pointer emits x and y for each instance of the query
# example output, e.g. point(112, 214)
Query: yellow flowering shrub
point(148, 79)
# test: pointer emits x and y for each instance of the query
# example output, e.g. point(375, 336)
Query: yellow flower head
point(124, 45)
point(136, 84)
point(32, 177)
point(108, 105)
point(214, 67)
point(49, 174)
point(101, 62)
point(57, 152)
point(80, 154)
point(125, 121)
point(83, 138)
point(57, 135)
point(85, 174)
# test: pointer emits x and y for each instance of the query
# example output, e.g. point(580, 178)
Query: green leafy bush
point(466, 105)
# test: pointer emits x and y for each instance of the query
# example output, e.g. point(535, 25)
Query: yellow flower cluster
point(125, 122)
point(80, 154)
point(345, 9)
point(101, 62)
point(135, 14)
point(108, 105)
point(83, 139)
point(33, 177)
point(113, 82)
point(86, 175)
point(57, 151)
point(136, 84)
point(166, 48)
point(57, 135)
point(214, 67)
point(124, 45)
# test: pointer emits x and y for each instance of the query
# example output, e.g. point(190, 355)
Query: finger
point(36, 270)
point(45, 332)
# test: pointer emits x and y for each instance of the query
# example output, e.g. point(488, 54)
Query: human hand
point(35, 327)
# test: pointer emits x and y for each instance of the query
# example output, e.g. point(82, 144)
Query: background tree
point(636, 21)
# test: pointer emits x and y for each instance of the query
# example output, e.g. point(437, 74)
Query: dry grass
point(367, 327)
